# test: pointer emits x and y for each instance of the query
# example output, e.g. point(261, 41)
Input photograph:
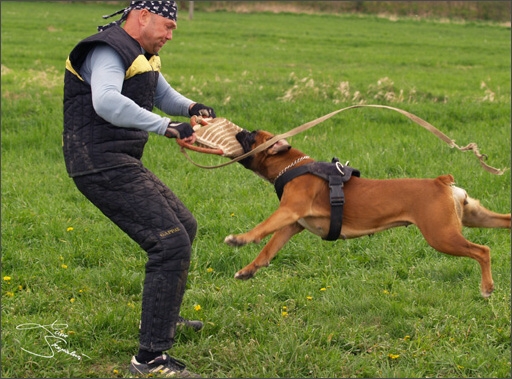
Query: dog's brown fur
point(435, 206)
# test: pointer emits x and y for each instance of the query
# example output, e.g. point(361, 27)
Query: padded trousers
point(153, 216)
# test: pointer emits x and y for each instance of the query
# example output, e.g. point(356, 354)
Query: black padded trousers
point(153, 216)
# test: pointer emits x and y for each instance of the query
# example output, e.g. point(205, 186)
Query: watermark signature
point(54, 338)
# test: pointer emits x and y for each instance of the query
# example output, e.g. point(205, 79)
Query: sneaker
point(163, 366)
point(195, 324)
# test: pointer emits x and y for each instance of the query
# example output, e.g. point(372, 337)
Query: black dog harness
point(336, 174)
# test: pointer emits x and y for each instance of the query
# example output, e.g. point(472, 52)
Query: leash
point(470, 147)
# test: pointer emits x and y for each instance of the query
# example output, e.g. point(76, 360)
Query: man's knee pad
point(171, 252)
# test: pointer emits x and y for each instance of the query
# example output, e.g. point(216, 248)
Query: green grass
point(381, 306)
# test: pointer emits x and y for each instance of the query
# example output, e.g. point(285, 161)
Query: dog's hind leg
point(278, 240)
point(448, 239)
point(440, 221)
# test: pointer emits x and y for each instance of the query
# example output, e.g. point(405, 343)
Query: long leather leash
point(471, 146)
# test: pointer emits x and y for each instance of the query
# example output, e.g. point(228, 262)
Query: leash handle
point(199, 149)
point(195, 121)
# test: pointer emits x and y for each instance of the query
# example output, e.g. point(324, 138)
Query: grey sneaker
point(195, 324)
point(163, 366)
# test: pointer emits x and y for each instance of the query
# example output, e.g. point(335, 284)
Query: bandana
point(167, 9)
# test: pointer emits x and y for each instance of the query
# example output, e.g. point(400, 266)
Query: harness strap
point(337, 200)
point(289, 175)
point(336, 194)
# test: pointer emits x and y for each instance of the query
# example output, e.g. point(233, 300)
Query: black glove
point(179, 130)
point(199, 109)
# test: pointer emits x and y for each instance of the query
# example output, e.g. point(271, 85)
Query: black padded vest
point(90, 143)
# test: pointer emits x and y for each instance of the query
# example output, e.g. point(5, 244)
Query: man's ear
point(144, 17)
point(279, 147)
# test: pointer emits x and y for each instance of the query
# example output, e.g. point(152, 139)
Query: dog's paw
point(232, 240)
point(486, 291)
point(244, 275)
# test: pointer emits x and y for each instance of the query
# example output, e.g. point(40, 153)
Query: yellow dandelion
point(394, 356)
point(285, 307)
point(209, 269)
point(460, 367)
point(72, 300)
point(385, 292)
point(197, 307)
point(20, 287)
point(69, 229)
point(9, 294)
point(71, 332)
point(407, 338)
point(64, 266)
point(284, 314)
point(131, 305)
point(309, 297)
point(7, 278)
point(232, 215)
point(323, 289)
point(115, 372)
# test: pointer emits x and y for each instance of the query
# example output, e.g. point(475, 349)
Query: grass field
point(380, 306)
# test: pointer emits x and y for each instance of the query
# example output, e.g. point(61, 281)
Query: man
point(112, 82)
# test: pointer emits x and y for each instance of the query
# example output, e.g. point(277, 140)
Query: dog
point(437, 207)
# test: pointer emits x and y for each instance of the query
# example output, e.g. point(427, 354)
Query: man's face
point(156, 31)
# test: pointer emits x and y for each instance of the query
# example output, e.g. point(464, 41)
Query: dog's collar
point(290, 166)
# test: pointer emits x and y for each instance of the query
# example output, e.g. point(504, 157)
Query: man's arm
point(103, 70)
point(170, 101)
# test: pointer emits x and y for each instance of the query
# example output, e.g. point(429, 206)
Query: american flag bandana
point(167, 9)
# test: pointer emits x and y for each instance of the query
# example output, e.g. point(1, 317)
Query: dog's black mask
point(246, 139)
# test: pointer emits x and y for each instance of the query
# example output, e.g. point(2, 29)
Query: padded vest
point(90, 143)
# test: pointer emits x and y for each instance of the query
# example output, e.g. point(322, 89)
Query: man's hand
point(199, 109)
point(181, 130)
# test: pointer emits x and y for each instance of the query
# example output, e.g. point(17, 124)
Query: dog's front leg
point(270, 250)
point(279, 219)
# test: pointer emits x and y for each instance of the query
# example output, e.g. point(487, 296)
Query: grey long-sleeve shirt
point(103, 71)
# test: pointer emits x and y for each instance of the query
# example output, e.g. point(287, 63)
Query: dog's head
point(250, 140)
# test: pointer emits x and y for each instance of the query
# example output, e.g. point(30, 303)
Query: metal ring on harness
point(339, 166)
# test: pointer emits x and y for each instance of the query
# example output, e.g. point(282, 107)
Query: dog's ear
point(279, 147)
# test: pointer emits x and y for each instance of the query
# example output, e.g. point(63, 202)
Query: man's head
point(149, 22)
point(152, 31)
